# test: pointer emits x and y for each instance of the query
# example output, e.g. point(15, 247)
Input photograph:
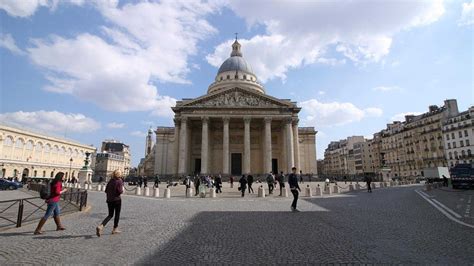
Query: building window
point(222, 77)
point(450, 155)
point(468, 152)
point(461, 143)
point(465, 133)
point(449, 145)
point(228, 76)
point(236, 77)
point(447, 136)
point(460, 134)
point(463, 153)
point(453, 136)
point(467, 142)
point(19, 144)
point(456, 155)
point(454, 144)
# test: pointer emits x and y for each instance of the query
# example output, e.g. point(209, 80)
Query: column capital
point(247, 119)
point(225, 119)
point(177, 121)
point(205, 119)
point(295, 121)
point(267, 119)
point(287, 120)
point(183, 119)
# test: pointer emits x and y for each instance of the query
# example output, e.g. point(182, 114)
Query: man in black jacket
point(294, 187)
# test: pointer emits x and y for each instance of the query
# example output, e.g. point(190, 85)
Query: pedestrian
point(301, 177)
point(281, 182)
point(187, 182)
point(243, 185)
point(145, 181)
point(445, 181)
point(140, 181)
point(197, 183)
point(231, 180)
point(368, 181)
point(270, 182)
point(218, 183)
point(113, 190)
point(249, 183)
point(294, 187)
point(157, 181)
point(53, 204)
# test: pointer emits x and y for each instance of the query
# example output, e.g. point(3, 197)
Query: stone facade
point(458, 137)
point(234, 129)
point(25, 153)
point(114, 155)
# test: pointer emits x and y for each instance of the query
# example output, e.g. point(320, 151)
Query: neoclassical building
point(25, 153)
point(236, 128)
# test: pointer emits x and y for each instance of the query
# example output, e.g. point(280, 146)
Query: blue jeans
point(53, 208)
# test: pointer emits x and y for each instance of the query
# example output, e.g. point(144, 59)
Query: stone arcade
point(234, 129)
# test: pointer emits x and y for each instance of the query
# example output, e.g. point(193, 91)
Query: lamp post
point(70, 168)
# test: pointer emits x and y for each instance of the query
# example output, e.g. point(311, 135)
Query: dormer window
point(245, 77)
point(228, 76)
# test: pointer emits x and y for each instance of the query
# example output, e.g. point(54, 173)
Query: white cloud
point(387, 88)
point(138, 133)
point(7, 42)
point(115, 125)
point(467, 15)
point(401, 116)
point(26, 8)
point(117, 72)
point(321, 92)
point(334, 113)
point(51, 121)
point(300, 33)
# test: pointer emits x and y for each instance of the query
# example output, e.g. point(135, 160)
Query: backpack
point(45, 191)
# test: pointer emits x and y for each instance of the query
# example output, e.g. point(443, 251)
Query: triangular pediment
point(237, 97)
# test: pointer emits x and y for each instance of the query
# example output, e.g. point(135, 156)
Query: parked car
point(10, 185)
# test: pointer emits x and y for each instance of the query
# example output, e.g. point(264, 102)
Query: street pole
point(70, 168)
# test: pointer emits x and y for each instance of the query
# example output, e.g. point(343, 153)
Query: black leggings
point(295, 198)
point(113, 206)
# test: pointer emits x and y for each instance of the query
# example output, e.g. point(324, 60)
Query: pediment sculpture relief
point(236, 99)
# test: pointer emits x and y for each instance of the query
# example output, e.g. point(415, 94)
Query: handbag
point(239, 188)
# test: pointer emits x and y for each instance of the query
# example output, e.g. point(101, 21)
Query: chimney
point(433, 108)
point(451, 106)
point(409, 118)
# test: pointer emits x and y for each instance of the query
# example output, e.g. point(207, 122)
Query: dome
point(235, 62)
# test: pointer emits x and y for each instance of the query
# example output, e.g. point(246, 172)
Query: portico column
point(183, 146)
point(296, 143)
point(205, 145)
point(268, 144)
point(177, 122)
point(246, 145)
point(290, 155)
point(225, 147)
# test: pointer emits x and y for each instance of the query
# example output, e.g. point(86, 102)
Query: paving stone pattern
point(391, 226)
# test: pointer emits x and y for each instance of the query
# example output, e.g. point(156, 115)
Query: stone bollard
point(167, 193)
point(357, 186)
point(86, 186)
point(99, 187)
point(157, 193)
point(79, 186)
point(212, 192)
point(351, 187)
point(308, 192)
point(147, 191)
point(189, 193)
point(104, 187)
point(138, 191)
point(319, 192)
point(261, 192)
point(327, 190)
point(285, 192)
point(373, 185)
point(391, 183)
point(336, 189)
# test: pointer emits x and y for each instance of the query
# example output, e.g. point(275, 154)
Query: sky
point(90, 70)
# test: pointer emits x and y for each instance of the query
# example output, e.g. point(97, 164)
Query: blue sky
point(93, 69)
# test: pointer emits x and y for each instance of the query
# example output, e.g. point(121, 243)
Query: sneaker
point(98, 230)
point(295, 210)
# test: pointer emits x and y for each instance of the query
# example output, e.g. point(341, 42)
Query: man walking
point(294, 187)
point(301, 177)
point(218, 184)
point(249, 183)
point(368, 181)
point(270, 182)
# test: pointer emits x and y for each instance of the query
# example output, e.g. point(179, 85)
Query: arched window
point(245, 76)
point(47, 148)
point(463, 153)
point(39, 147)
point(62, 151)
point(228, 76)
point(52, 174)
point(456, 155)
point(44, 173)
point(29, 145)
point(450, 155)
point(55, 149)
point(19, 143)
point(8, 141)
point(76, 153)
point(468, 152)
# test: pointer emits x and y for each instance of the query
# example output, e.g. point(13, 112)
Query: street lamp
point(70, 168)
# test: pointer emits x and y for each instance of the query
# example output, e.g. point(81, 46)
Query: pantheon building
point(236, 128)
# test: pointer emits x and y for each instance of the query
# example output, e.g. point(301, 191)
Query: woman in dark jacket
point(113, 190)
point(53, 204)
point(243, 184)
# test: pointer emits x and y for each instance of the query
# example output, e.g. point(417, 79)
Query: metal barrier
point(28, 209)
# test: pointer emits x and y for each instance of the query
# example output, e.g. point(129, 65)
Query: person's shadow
point(65, 237)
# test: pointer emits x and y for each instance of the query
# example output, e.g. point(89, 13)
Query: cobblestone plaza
point(391, 226)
